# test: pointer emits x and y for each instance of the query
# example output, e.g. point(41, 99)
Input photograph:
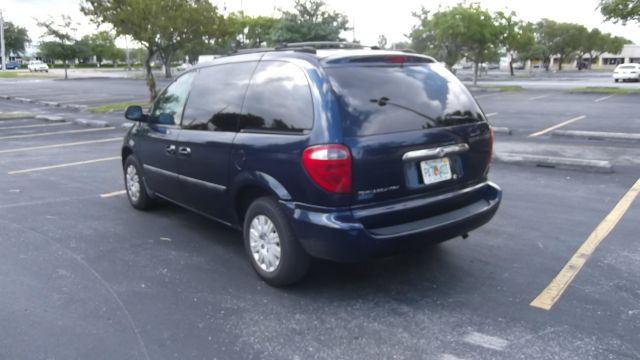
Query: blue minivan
point(339, 154)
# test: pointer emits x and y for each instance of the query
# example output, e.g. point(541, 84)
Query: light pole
point(3, 63)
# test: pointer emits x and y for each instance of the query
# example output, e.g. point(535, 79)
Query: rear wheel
point(274, 252)
point(134, 183)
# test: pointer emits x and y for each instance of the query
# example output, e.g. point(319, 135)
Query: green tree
point(16, 38)
point(162, 26)
point(382, 42)
point(562, 39)
point(258, 30)
point(102, 45)
point(311, 21)
point(465, 30)
point(190, 22)
point(620, 10)
point(517, 36)
point(64, 46)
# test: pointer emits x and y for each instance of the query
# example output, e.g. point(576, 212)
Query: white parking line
point(491, 114)
point(604, 98)
point(63, 165)
point(55, 133)
point(60, 145)
point(486, 341)
point(486, 95)
point(33, 126)
point(549, 129)
point(539, 97)
point(112, 194)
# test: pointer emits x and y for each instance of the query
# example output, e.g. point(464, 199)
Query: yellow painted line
point(549, 129)
point(112, 194)
point(539, 97)
point(60, 145)
point(33, 126)
point(63, 165)
point(604, 98)
point(55, 133)
point(559, 284)
point(491, 114)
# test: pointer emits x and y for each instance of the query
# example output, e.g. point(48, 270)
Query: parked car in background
point(37, 65)
point(342, 154)
point(183, 66)
point(12, 65)
point(624, 72)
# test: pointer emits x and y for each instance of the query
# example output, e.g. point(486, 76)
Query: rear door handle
point(184, 151)
point(170, 149)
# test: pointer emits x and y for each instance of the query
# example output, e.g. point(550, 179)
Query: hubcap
point(264, 243)
point(133, 183)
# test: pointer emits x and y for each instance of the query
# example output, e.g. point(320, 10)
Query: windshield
point(383, 98)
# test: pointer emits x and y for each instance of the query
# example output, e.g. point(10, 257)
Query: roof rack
point(304, 49)
point(324, 45)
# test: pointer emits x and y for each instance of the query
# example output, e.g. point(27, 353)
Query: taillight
point(329, 166)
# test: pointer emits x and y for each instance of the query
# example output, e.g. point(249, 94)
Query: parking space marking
point(549, 129)
point(604, 98)
point(33, 126)
point(486, 341)
point(491, 114)
point(550, 295)
point(60, 145)
point(55, 133)
point(486, 95)
point(57, 166)
point(539, 97)
point(112, 194)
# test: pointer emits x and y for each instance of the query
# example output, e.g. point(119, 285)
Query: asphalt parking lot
point(84, 275)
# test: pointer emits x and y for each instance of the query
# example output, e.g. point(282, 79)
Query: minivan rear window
point(383, 98)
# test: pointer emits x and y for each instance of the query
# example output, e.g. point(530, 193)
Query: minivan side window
point(216, 97)
point(278, 99)
point(167, 109)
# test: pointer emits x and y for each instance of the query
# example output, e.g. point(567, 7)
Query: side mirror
point(134, 113)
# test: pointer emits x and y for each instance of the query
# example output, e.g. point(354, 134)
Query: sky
point(367, 17)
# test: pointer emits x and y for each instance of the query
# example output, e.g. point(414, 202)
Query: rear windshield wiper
point(384, 101)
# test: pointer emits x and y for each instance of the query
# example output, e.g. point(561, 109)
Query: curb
point(91, 123)
point(6, 97)
point(597, 166)
point(15, 116)
point(75, 106)
point(23, 99)
point(50, 118)
point(50, 103)
point(501, 130)
point(597, 135)
point(127, 125)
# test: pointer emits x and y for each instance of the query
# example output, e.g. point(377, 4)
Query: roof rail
point(305, 49)
point(324, 45)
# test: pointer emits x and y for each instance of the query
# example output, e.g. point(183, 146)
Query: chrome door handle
point(170, 149)
point(184, 151)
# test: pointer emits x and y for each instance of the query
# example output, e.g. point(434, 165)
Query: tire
point(134, 185)
point(616, 80)
point(267, 232)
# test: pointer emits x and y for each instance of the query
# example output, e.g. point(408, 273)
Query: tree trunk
point(475, 73)
point(66, 77)
point(560, 64)
point(166, 60)
point(511, 67)
point(590, 60)
point(151, 81)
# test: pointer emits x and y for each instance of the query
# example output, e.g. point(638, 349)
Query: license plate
point(435, 170)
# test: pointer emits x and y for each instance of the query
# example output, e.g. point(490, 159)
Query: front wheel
point(274, 252)
point(134, 184)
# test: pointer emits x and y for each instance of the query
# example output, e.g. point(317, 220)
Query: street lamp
point(3, 62)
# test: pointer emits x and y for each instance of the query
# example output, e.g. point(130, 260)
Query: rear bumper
point(626, 76)
point(338, 234)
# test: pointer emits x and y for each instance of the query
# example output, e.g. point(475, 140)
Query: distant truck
point(205, 58)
